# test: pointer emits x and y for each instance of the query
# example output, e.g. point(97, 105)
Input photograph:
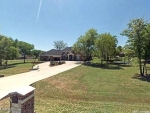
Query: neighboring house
point(65, 54)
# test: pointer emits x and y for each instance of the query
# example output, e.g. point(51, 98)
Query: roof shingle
point(53, 52)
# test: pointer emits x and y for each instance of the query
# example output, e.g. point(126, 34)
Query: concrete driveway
point(11, 83)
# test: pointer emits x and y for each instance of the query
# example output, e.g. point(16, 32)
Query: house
point(65, 54)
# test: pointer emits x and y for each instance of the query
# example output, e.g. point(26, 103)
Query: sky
point(41, 22)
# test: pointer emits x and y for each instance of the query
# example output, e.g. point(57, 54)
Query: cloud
point(39, 10)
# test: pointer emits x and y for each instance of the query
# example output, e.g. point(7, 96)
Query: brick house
point(66, 54)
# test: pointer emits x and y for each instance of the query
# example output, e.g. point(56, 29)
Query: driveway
point(11, 83)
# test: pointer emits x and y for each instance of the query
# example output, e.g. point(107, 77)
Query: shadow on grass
point(3, 67)
point(125, 65)
point(103, 66)
point(18, 63)
point(142, 78)
point(7, 67)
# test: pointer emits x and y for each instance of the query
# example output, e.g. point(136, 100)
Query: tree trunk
point(6, 62)
point(101, 61)
point(139, 54)
point(33, 63)
point(1, 63)
point(140, 63)
point(24, 58)
point(144, 66)
point(140, 66)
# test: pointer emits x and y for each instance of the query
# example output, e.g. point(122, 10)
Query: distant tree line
point(11, 49)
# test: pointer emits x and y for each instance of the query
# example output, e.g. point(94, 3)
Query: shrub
point(63, 62)
point(56, 62)
point(60, 63)
point(52, 63)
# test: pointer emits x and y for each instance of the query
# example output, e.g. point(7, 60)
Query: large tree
point(25, 48)
point(146, 55)
point(59, 45)
point(3, 46)
point(106, 45)
point(11, 54)
point(85, 43)
point(138, 33)
point(7, 50)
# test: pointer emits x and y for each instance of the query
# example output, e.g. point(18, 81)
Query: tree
point(59, 45)
point(5, 43)
point(119, 50)
point(3, 47)
point(36, 54)
point(106, 45)
point(128, 50)
point(85, 43)
point(11, 54)
point(138, 34)
point(25, 48)
point(16, 43)
point(7, 51)
point(146, 55)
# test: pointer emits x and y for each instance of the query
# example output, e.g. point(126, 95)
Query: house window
point(78, 57)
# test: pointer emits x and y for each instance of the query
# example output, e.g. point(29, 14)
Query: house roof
point(68, 49)
point(52, 52)
point(56, 52)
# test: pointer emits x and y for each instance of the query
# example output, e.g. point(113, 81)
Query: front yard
point(16, 67)
point(91, 89)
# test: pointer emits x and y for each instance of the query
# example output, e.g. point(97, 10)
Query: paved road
point(11, 83)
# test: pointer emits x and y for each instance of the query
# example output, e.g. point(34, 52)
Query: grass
point(16, 67)
point(88, 89)
point(91, 89)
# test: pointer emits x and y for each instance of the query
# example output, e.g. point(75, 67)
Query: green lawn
point(16, 67)
point(91, 89)
point(88, 89)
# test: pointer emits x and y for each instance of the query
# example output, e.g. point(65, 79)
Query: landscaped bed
point(55, 63)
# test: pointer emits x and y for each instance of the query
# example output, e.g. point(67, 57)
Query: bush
point(60, 63)
point(63, 62)
point(56, 62)
point(52, 63)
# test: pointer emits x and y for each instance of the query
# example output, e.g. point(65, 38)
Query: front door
point(70, 57)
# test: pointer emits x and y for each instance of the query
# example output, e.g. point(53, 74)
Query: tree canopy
point(25, 48)
point(59, 45)
point(10, 49)
point(7, 50)
point(85, 43)
point(106, 45)
point(138, 33)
